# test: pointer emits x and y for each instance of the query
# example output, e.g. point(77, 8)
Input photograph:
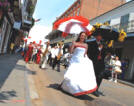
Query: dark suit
point(93, 53)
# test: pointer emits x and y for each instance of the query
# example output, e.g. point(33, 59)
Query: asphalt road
point(114, 94)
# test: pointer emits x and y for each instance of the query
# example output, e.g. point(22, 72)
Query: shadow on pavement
point(23, 68)
point(7, 64)
point(54, 86)
point(82, 97)
point(7, 95)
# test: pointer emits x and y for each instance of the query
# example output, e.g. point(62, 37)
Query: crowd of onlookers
point(115, 67)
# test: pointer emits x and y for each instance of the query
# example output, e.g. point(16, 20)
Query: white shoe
point(115, 81)
point(111, 80)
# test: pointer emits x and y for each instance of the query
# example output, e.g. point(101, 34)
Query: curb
point(126, 83)
point(28, 100)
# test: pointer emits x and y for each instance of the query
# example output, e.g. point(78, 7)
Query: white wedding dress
point(79, 78)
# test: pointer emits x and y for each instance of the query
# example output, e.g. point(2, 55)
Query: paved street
point(47, 80)
point(35, 31)
point(17, 87)
point(119, 92)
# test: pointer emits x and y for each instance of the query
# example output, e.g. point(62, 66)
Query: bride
point(79, 78)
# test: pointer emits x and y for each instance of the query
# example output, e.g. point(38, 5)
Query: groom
point(96, 53)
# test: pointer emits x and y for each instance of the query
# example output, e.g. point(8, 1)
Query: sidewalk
point(126, 83)
point(14, 89)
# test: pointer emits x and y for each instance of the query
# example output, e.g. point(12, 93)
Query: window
point(78, 11)
point(74, 13)
point(124, 22)
point(65, 15)
point(108, 22)
point(74, 7)
point(130, 26)
point(71, 10)
point(79, 1)
point(68, 12)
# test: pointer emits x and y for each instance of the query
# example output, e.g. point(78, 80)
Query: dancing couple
point(83, 75)
point(79, 78)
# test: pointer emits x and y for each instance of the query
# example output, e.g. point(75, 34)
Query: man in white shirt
point(52, 52)
point(58, 54)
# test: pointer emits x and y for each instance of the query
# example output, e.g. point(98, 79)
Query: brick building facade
point(90, 8)
point(86, 8)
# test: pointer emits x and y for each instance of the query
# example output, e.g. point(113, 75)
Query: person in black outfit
point(96, 53)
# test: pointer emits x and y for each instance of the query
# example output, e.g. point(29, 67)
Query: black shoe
point(59, 87)
point(58, 70)
point(101, 93)
point(96, 93)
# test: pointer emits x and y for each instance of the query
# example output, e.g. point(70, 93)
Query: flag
point(37, 20)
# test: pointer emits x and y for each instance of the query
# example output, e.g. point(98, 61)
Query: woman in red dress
point(29, 53)
point(38, 57)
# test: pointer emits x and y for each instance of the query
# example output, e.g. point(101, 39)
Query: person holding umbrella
point(58, 54)
point(105, 36)
point(96, 53)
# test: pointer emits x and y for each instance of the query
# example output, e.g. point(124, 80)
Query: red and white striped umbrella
point(73, 25)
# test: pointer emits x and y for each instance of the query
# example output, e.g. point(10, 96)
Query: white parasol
point(73, 25)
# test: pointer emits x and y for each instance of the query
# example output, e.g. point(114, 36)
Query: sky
point(48, 11)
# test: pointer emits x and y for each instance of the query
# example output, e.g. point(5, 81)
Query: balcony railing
point(128, 27)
